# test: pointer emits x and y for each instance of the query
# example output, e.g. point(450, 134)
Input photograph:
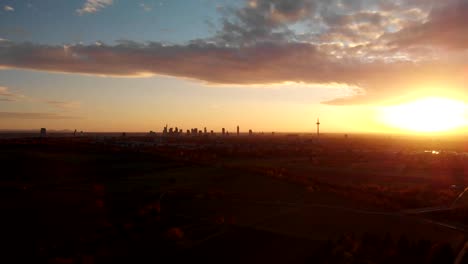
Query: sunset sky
point(266, 65)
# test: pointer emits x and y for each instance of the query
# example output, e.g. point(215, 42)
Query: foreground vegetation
point(74, 201)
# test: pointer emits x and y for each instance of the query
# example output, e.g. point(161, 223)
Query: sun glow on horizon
point(431, 114)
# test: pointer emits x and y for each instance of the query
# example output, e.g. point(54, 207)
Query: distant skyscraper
point(205, 131)
point(318, 127)
point(43, 132)
point(238, 130)
point(223, 131)
point(250, 132)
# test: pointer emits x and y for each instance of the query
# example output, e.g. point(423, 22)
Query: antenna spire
point(318, 127)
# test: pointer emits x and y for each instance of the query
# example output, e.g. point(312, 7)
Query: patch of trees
point(371, 248)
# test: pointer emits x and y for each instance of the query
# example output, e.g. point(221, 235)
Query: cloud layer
point(385, 47)
point(64, 105)
point(7, 96)
point(93, 6)
point(27, 115)
point(8, 8)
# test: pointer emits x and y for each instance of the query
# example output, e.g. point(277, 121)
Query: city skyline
point(363, 66)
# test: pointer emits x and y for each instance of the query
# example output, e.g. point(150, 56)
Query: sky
point(266, 65)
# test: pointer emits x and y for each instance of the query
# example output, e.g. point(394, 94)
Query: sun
point(431, 114)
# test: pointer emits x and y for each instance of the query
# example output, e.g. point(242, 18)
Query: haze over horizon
point(266, 65)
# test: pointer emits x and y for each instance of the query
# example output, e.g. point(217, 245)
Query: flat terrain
point(73, 201)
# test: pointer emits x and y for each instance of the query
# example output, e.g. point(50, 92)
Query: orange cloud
point(387, 50)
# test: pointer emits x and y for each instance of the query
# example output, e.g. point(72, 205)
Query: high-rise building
point(250, 132)
point(205, 131)
point(318, 127)
point(238, 130)
point(43, 132)
point(223, 131)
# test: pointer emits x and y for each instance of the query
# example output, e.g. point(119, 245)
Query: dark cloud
point(257, 64)
point(271, 20)
point(261, 63)
point(355, 18)
point(384, 47)
point(445, 27)
point(262, 20)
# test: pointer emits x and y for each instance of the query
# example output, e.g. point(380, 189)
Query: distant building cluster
point(172, 131)
point(175, 131)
